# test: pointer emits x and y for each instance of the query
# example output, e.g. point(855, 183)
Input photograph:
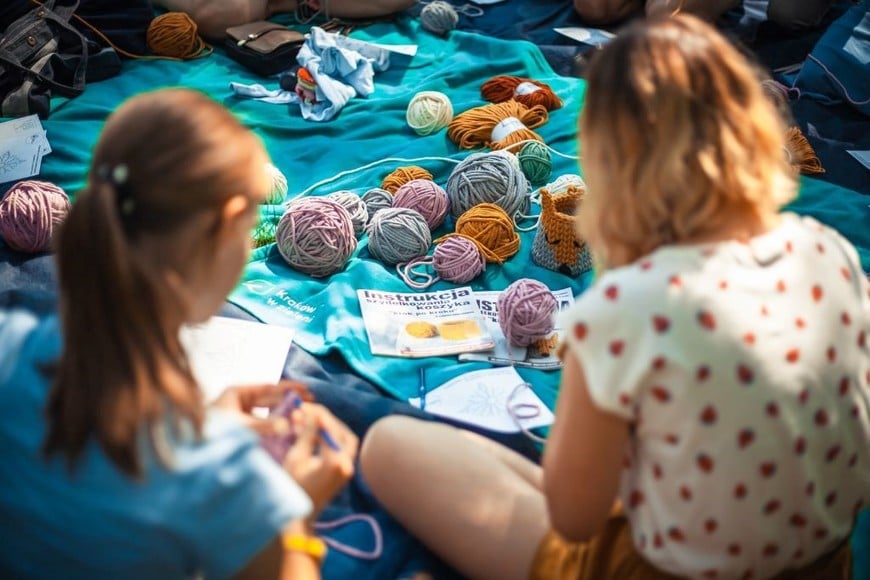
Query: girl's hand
point(321, 470)
point(243, 399)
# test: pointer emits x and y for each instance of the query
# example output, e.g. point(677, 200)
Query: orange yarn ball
point(490, 228)
point(526, 91)
point(175, 35)
point(403, 175)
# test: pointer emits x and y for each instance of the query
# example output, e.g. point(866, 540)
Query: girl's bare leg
point(475, 504)
point(708, 9)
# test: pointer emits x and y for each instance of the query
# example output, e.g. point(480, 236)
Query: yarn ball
point(315, 236)
point(439, 17)
point(525, 312)
point(487, 178)
point(403, 175)
point(398, 235)
point(563, 182)
point(535, 162)
point(377, 199)
point(29, 213)
point(355, 206)
point(458, 260)
point(493, 231)
point(278, 188)
point(425, 196)
point(428, 112)
point(174, 35)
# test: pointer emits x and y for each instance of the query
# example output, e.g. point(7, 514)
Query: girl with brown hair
point(113, 466)
point(716, 377)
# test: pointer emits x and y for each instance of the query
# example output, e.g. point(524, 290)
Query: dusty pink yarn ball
point(29, 213)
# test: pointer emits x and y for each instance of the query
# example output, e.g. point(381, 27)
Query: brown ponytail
point(162, 158)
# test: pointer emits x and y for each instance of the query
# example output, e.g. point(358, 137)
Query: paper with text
point(225, 352)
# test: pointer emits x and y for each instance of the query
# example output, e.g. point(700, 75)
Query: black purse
point(266, 48)
point(41, 54)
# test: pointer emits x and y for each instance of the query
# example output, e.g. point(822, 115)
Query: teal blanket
point(325, 313)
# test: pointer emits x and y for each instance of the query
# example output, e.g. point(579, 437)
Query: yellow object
point(491, 229)
point(497, 126)
point(420, 329)
point(403, 175)
point(459, 329)
point(311, 545)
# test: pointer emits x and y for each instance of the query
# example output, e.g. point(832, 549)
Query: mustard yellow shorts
point(611, 555)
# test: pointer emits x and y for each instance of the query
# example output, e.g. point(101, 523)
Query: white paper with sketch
point(481, 398)
point(23, 144)
point(225, 352)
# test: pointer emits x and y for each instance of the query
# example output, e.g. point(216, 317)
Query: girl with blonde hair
point(112, 464)
point(715, 378)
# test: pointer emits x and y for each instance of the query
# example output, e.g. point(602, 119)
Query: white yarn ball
point(429, 111)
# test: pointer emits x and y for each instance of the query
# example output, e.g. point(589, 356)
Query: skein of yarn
point(497, 126)
point(488, 178)
point(355, 206)
point(439, 17)
point(525, 312)
point(426, 197)
point(535, 162)
point(29, 213)
point(428, 112)
point(565, 181)
point(458, 260)
point(398, 234)
point(403, 175)
point(279, 187)
point(315, 236)
point(175, 35)
point(526, 91)
point(377, 199)
point(491, 229)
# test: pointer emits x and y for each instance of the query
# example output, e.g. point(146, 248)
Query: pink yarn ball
point(458, 260)
point(426, 197)
point(29, 213)
point(525, 312)
point(315, 236)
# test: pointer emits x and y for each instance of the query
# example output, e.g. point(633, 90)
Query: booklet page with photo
point(420, 324)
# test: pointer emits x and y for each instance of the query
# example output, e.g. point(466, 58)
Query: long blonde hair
point(677, 139)
point(162, 158)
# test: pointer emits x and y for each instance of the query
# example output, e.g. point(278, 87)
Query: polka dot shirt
point(744, 370)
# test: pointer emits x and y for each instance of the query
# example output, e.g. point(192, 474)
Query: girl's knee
point(599, 12)
point(383, 442)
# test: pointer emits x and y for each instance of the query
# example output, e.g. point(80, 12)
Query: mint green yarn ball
point(535, 162)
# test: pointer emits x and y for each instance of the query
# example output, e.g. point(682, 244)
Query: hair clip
point(117, 176)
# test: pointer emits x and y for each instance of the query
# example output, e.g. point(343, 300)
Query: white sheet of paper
point(28, 128)
point(863, 157)
point(226, 351)
point(592, 36)
point(482, 397)
point(406, 49)
point(19, 159)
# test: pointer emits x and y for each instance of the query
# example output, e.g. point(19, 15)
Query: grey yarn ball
point(439, 17)
point(355, 206)
point(488, 178)
point(398, 235)
point(377, 199)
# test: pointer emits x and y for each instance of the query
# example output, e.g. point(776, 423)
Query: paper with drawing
point(23, 144)
point(484, 398)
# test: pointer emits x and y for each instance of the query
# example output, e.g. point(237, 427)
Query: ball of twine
point(29, 213)
point(425, 196)
point(428, 112)
point(315, 236)
point(491, 229)
point(278, 188)
point(439, 17)
point(529, 92)
point(487, 178)
point(525, 312)
point(355, 206)
point(403, 175)
point(175, 35)
point(457, 259)
point(398, 234)
point(535, 162)
point(497, 126)
point(564, 182)
point(377, 199)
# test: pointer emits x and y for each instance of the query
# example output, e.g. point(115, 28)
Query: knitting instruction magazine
point(420, 324)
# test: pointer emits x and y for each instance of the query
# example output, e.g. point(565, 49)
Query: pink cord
point(350, 550)
point(836, 80)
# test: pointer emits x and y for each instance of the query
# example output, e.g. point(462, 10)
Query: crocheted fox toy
point(556, 245)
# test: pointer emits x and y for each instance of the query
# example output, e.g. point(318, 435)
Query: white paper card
point(406, 49)
point(225, 352)
point(591, 36)
point(482, 397)
point(23, 144)
point(863, 157)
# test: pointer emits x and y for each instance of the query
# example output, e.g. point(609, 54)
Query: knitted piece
point(556, 246)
